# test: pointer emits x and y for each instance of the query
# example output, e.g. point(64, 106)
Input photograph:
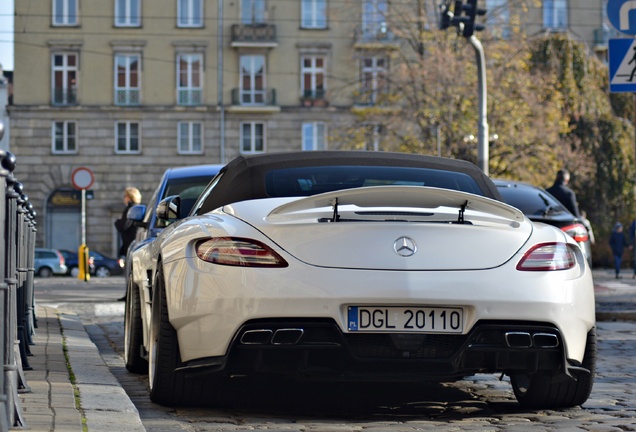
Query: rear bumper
point(317, 349)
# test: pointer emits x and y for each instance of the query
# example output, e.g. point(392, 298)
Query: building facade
point(128, 88)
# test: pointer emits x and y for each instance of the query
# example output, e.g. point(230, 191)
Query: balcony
point(374, 100)
point(189, 97)
point(127, 97)
point(257, 35)
point(375, 36)
point(254, 101)
point(64, 96)
point(314, 98)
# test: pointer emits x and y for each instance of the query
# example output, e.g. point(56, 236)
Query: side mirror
point(136, 214)
point(168, 208)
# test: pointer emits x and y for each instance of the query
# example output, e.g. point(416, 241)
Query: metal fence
point(17, 270)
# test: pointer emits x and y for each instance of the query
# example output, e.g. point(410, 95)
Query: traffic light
point(472, 11)
point(446, 18)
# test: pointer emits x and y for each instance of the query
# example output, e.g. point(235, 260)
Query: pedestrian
point(618, 243)
point(563, 193)
point(127, 228)
point(632, 241)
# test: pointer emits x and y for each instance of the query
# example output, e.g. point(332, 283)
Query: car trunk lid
point(391, 228)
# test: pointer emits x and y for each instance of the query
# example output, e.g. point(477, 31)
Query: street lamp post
point(482, 133)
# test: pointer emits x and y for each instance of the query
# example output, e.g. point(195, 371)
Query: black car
point(539, 206)
point(103, 266)
point(98, 264)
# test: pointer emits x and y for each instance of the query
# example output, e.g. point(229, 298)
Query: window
point(498, 18)
point(374, 13)
point(314, 136)
point(190, 137)
point(64, 136)
point(190, 13)
point(127, 13)
point(313, 75)
point(314, 14)
point(555, 14)
point(252, 80)
point(127, 137)
point(252, 137)
point(127, 85)
point(65, 12)
point(189, 73)
point(253, 11)
point(64, 79)
point(374, 78)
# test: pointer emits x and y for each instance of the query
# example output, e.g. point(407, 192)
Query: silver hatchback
point(49, 262)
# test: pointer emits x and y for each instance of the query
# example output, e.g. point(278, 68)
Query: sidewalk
point(102, 404)
point(52, 405)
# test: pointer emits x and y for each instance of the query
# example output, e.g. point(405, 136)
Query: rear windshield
point(319, 179)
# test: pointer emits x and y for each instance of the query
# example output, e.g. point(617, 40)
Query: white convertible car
point(362, 266)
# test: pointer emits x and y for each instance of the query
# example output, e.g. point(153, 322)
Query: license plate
point(405, 319)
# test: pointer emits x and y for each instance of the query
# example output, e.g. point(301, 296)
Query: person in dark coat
point(618, 243)
point(563, 193)
point(126, 228)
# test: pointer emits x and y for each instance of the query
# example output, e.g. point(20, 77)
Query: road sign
point(622, 15)
point(82, 178)
point(622, 65)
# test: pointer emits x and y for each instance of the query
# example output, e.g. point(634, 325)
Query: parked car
point(186, 182)
point(103, 266)
point(540, 206)
point(49, 262)
point(72, 263)
point(361, 266)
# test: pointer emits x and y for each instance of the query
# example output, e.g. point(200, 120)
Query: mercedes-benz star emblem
point(405, 247)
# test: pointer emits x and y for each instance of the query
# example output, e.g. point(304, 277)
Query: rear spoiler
point(399, 196)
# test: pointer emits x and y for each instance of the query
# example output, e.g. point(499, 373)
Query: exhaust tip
point(545, 340)
point(518, 339)
point(256, 337)
point(287, 336)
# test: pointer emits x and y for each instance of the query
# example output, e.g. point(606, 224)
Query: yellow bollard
point(82, 263)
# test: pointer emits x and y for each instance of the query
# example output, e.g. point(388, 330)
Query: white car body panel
point(336, 265)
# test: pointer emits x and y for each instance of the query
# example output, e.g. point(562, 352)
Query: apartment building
point(128, 88)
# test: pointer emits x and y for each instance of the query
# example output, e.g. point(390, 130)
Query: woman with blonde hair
point(126, 228)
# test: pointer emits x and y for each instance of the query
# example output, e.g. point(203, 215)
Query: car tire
point(102, 271)
point(168, 386)
point(74, 271)
point(45, 272)
point(557, 391)
point(133, 331)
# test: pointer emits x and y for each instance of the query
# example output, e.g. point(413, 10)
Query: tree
point(547, 103)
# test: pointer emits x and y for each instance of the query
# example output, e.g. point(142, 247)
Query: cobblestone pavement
point(482, 403)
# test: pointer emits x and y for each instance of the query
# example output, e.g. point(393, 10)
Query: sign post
point(622, 52)
point(82, 179)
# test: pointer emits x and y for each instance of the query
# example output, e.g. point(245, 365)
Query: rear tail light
point(547, 257)
point(61, 257)
point(577, 231)
point(233, 251)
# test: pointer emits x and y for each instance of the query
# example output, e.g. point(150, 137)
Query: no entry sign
point(82, 178)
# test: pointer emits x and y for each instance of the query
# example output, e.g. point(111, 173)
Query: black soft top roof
point(244, 177)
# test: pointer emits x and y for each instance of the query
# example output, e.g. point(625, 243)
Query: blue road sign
point(622, 65)
point(622, 15)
